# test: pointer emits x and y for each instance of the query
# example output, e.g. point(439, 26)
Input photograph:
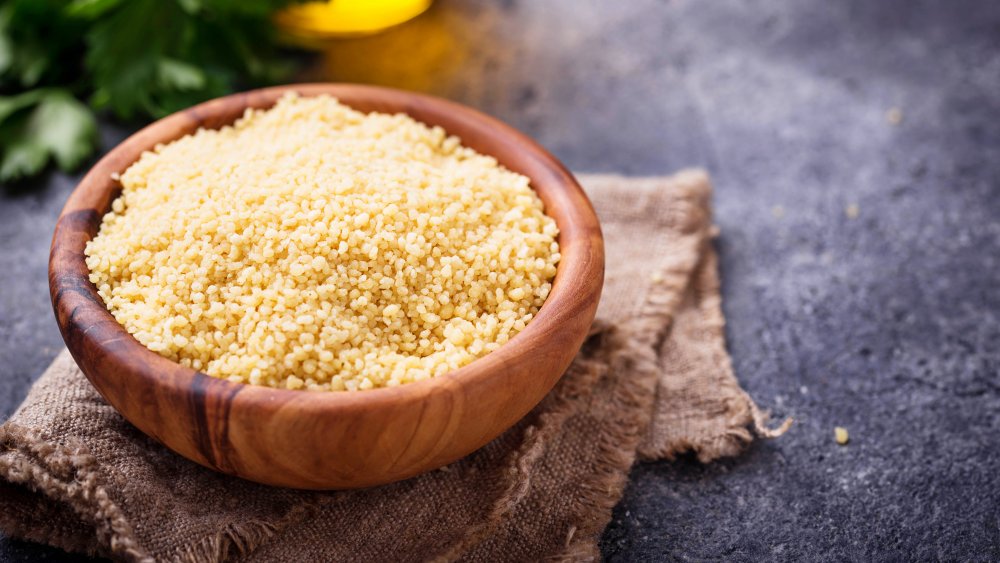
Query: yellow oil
point(345, 18)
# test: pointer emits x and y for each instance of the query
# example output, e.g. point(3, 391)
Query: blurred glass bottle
point(313, 22)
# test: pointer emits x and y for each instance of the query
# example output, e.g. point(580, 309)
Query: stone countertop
point(855, 149)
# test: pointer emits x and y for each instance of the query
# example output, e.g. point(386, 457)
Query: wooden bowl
point(330, 440)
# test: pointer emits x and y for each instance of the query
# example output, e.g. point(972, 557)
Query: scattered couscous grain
point(894, 116)
point(852, 211)
point(840, 434)
point(312, 246)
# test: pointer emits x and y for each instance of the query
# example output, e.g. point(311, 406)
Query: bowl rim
point(72, 292)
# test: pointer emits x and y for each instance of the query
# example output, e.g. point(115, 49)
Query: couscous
point(312, 246)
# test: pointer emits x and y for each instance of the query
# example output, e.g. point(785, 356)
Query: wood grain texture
point(330, 440)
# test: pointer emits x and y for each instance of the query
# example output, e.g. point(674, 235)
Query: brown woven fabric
point(653, 380)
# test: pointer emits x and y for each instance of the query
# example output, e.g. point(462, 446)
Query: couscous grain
point(312, 246)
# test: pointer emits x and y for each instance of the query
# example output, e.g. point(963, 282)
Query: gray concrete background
point(884, 321)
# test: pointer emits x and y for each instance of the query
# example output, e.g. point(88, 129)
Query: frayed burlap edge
point(240, 539)
point(69, 475)
point(745, 418)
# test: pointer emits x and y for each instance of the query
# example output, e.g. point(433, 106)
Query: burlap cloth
point(654, 380)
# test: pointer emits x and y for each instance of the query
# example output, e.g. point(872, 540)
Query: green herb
point(41, 125)
point(60, 60)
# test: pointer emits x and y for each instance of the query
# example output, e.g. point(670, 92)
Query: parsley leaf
point(155, 57)
point(135, 58)
point(42, 125)
point(38, 46)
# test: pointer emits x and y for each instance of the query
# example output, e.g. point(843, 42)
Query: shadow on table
point(14, 551)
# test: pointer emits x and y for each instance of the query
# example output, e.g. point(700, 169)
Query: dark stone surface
point(885, 323)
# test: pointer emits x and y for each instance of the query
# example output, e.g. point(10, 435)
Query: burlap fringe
point(68, 475)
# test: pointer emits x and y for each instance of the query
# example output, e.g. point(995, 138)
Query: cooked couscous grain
point(312, 246)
